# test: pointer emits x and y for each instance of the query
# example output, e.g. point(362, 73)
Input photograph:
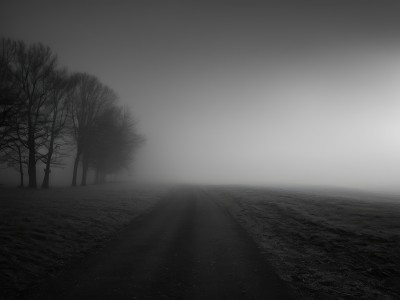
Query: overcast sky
point(240, 92)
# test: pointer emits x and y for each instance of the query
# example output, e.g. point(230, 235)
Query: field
point(325, 247)
point(41, 231)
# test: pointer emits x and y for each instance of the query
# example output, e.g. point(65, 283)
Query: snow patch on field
point(324, 247)
point(41, 231)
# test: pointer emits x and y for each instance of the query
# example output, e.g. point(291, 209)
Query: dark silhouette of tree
point(13, 147)
point(8, 91)
point(32, 71)
point(57, 112)
point(113, 143)
point(16, 156)
point(90, 99)
point(43, 109)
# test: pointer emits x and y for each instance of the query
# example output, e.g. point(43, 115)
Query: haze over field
point(240, 92)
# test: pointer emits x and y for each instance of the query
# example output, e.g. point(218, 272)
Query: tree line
point(47, 113)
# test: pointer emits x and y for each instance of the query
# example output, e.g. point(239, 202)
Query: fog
point(295, 93)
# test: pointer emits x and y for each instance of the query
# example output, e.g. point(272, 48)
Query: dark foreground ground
point(188, 247)
point(325, 244)
point(42, 231)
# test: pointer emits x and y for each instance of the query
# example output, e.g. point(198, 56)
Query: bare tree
point(13, 150)
point(8, 92)
point(15, 155)
point(113, 143)
point(42, 108)
point(89, 100)
point(32, 70)
point(57, 111)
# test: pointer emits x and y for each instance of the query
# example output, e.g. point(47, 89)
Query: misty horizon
point(284, 94)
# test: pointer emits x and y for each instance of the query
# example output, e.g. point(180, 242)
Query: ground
point(41, 231)
point(208, 241)
point(324, 246)
point(187, 247)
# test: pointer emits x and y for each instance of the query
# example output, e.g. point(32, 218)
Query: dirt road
point(188, 247)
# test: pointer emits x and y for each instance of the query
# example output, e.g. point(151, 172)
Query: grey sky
point(240, 92)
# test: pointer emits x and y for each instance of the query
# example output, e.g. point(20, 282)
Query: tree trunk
point(32, 165)
point(76, 163)
point(85, 167)
point(32, 171)
point(21, 176)
point(32, 153)
point(46, 179)
point(21, 179)
point(21, 169)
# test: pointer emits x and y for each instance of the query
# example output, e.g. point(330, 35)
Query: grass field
point(325, 247)
point(41, 231)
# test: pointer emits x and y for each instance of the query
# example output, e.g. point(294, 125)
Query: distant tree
point(56, 112)
point(113, 142)
point(90, 99)
point(15, 156)
point(32, 70)
point(8, 91)
point(12, 150)
point(42, 108)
